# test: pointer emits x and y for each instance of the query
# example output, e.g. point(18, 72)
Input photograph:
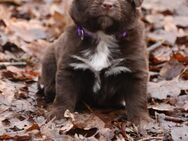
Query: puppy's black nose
point(107, 5)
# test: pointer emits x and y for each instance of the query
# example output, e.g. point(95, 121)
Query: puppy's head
point(105, 15)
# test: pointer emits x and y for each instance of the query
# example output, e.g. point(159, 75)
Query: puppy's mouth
point(114, 14)
point(105, 16)
point(115, 17)
point(105, 21)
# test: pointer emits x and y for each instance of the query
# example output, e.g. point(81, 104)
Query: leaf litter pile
point(27, 27)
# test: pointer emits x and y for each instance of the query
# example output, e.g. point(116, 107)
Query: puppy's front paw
point(56, 112)
point(145, 124)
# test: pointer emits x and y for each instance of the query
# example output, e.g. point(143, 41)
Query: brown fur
point(69, 86)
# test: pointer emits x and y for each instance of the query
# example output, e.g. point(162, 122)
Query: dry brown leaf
point(181, 21)
point(27, 31)
point(169, 24)
point(180, 133)
point(163, 89)
point(161, 54)
point(32, 24)
point(171, 69)
point(36, 48)
point(18, 2)
point(181, 57)
point(162, 35)
point(163, 108)
point(162, 5)
point(7, 93)
point(34, 126)
point(184, 75)
point(5, 13)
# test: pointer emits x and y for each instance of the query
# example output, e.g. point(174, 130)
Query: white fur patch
point(100, 59)
point(78, 66)
point(117, 70)
point(97, 85)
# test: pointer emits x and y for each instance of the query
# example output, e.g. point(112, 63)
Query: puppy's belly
point(107, 71)
point(110, 92)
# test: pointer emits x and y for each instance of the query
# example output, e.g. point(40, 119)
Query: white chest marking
point(100, 59)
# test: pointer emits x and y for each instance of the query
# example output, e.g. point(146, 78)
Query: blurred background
point(27, 27)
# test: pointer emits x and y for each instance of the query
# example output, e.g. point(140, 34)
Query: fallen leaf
point(181, 21)
point(180, 133)
point(184, 75)
point(7, 92)
point(32, 30)
point(186, 106)
point(33, 127)
point(18, 2)
point(171, 69)
point(163, 89)
point(181, 57)
point(163, 108)
point(161, 54)
point(160, 35)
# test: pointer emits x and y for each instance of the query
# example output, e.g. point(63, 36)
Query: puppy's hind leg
point(48, 75)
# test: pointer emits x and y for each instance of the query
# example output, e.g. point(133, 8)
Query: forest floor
point(27, 27)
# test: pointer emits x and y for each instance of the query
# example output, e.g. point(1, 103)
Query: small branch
point(184, 70)
point(2, 64)
point(174, 119)
point(88, 107)
point(156, 45)
point(16, 2)
point(151, 138)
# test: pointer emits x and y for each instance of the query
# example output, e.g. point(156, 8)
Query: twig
point(16, 2)
point(88, 107)
point(156, 45)
point(184, 70)
point(2, 64)
point(174, 119)
point(151, 138)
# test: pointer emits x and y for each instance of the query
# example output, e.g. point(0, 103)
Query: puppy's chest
point(100, 57)
point(106, 56)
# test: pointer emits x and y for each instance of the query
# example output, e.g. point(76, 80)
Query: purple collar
point(82, 33)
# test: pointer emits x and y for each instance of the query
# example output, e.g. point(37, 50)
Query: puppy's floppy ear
point(137, 3)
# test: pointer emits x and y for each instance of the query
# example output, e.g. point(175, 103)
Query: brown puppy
point(100, 60)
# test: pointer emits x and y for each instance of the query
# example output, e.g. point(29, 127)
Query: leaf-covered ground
point(28, 26)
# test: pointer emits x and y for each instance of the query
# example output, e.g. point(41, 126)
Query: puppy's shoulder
point(137, 33)
point(67, 40)
point(66, 36)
